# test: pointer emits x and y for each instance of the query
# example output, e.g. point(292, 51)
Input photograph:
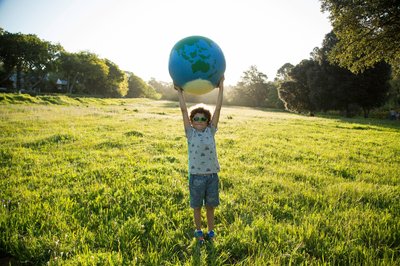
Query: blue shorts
point(203, 190)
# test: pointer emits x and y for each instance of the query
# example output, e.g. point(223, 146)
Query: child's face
point(199, 121)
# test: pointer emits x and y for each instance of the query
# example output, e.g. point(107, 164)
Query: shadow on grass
point(211, 253)
point(203, 254)
point(360, 123)
point(170, 104)
point(196, 253)
point(7, 260)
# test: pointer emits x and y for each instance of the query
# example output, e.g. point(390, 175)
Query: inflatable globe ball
point(196, 64)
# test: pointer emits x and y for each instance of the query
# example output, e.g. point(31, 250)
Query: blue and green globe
point(196, 64)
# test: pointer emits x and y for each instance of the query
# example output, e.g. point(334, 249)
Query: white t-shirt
point(202, 151)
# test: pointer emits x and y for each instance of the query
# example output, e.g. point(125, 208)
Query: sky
point(138, 35)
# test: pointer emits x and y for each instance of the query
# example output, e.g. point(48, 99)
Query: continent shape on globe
point(196, 64)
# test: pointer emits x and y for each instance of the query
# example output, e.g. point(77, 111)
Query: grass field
point(87, 181)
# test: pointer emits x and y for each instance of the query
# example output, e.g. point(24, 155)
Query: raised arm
point(184, 110)
point(217, 111)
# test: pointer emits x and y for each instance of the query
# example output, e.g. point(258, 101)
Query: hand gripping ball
point(196, 64)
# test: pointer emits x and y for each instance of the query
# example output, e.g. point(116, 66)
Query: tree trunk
point(37, 83)
point(366, 112)
point(68, 85)
point(348, 111)
point(18, 81)
point(71, 85)
point(7, 77)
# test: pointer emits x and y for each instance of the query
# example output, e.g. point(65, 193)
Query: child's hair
point(201, 110)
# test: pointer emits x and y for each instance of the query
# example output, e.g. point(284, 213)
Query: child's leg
point(212, 199)
point(210, 218)
point(197, 217)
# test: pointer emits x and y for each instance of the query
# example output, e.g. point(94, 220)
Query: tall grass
point(87, 181)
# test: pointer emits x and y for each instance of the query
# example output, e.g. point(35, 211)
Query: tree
point(251, 90)
point(373, 86)
point(166, 89)
point(117, 80)
point(296, 90)
point(394, 93)
point(272, 99)
point(293, 96)
point(332, 88)
point(40, 59)
point(85, 72)
point(368, 32)
point(317, 84)
point(33, 61)
point(140, 89)
point(10, 57)
point(343, 89)
point(94, 73)
point(283, 71)
point(70, 69)
point(27, 56)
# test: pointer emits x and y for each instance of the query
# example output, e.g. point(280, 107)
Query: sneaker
point(211, 235)
point(198, 234)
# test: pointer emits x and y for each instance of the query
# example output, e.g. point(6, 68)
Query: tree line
point(32, 65)
point(253, 90)
point(38, 66)
point(358, 66)
point(317, 85)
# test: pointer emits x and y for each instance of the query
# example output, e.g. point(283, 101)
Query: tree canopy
point(32, 62)
point(26, 54)
point(367, 31)
point(253, 89)
point(316, 84)
point(138, 88)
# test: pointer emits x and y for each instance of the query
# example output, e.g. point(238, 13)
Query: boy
point(200, 129)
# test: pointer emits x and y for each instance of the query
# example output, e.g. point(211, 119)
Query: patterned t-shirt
point(202, 151)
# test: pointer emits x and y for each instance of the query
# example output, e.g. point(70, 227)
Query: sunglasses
point(199, 119)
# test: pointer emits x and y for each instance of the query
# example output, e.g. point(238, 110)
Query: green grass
point(87, 181)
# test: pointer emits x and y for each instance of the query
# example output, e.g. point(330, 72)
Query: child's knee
point(210, 208)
